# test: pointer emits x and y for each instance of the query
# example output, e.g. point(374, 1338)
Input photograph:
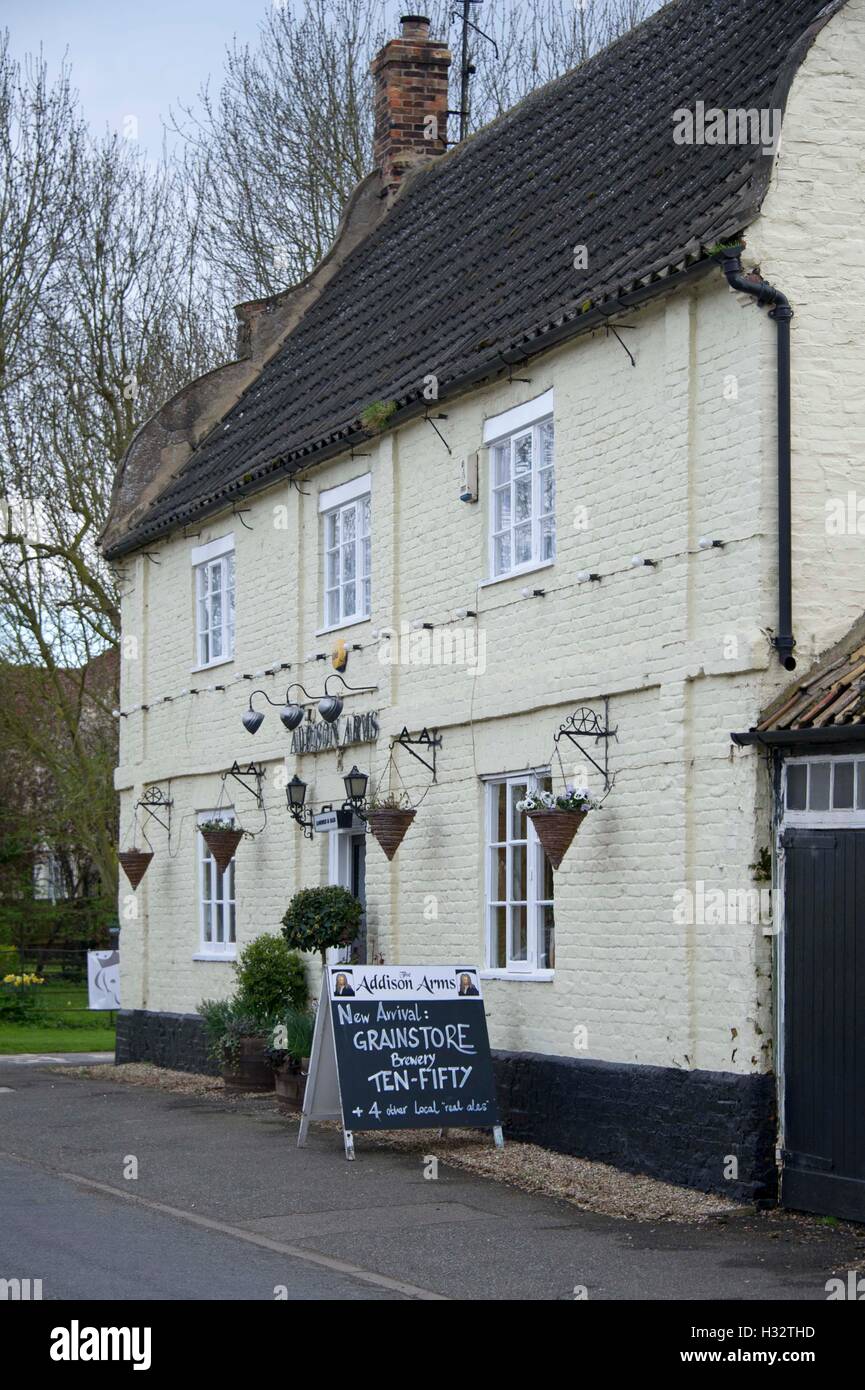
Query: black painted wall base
point(176, 1041)
point(681, 1126)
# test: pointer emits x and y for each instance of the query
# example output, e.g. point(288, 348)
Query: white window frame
point(515, 968)
point(215, 558)
point(354, 497)
point(515, 426)
point(215, 888)
point(826, 818)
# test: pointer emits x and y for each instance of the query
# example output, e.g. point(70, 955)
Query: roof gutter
point(793, 738)
point(730, 260)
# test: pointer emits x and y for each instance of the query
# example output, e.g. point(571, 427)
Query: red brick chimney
point(411, 100)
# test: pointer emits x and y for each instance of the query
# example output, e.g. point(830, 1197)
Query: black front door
point(824, 1022)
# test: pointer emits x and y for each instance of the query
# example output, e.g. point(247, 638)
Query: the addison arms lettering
point(313, 737)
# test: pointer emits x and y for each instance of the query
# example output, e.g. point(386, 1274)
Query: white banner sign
point(103, 979)
point(404, 982)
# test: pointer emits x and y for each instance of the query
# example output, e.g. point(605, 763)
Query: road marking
point(366, 1276)
point(6, 1090)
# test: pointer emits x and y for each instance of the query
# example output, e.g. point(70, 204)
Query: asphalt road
point(226, 1207)
point(84, 1245)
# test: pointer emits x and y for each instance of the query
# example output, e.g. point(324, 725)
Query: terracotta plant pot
point(248, 1070)
point(222, 844)
point(556, 830)
point(135, 863)
point(290, 1082)
point(389, 828)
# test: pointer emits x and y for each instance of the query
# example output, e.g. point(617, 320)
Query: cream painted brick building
point(680, 1016)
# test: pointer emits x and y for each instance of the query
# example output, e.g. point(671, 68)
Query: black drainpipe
point(730, 260)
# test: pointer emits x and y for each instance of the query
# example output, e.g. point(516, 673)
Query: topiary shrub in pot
point(318, 918)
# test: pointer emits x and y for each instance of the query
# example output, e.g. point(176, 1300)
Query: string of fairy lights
point(534, 589)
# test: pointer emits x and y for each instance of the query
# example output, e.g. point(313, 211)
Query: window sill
point(337, 627)
point(223, 956)
point(517, 574)
point(538, 977)
point(209, 665)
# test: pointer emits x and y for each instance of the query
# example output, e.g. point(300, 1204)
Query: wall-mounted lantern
point(295, 795)
point(355, 782)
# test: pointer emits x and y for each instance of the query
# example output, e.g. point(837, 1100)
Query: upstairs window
point(523, 488)
point(346, 517)
point(214, 601)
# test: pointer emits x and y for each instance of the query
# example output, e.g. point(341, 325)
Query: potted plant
point(389, 818)
point(236, 1040)
point(558, 818)
point(288, 1052)
point(135, 863)
point(318, 918)
point(222, 838)
point(270, 980)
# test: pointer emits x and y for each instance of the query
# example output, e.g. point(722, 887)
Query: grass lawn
point(66, 1024)
point(18, 1038)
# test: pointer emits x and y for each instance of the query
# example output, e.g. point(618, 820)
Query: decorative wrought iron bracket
point(424, 739)
point(240, 774)
point(585, 724)
point(155, 800)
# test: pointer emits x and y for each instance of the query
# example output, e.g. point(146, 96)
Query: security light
point(252, 720)
point(291, 715)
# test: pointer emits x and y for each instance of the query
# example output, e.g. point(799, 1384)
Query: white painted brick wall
point(659, 456)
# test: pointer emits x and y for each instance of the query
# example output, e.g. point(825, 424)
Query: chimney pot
point(414, 26)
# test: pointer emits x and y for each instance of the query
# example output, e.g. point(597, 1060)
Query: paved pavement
point(225, 1206)
point(55, 1059)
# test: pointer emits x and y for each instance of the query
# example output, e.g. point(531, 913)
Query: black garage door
point(824, 1022)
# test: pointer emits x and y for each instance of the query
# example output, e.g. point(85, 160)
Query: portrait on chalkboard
point(467, 987)
point(342, 985)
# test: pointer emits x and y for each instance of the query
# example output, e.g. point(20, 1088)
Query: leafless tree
point(40, 141)
point(110, 315)
point(273, 153)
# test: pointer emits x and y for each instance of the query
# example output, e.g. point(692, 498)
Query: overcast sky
point(132, 57)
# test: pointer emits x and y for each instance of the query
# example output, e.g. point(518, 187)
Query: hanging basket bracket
point(582, 726)
point(431, 740)
point(156, 803)
point(250, 778)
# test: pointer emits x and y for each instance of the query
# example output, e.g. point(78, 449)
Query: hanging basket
point(389, 828)
point(135, 863)
point(222, 845)
point(556, 830)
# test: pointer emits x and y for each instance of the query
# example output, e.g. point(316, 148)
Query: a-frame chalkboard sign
point(401, 1047)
